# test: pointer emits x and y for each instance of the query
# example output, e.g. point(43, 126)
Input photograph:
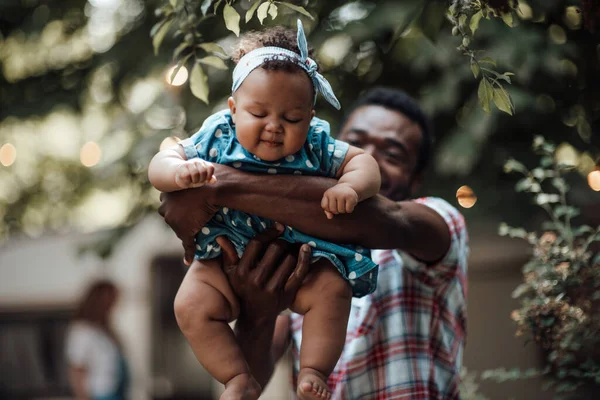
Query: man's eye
point(393, 158)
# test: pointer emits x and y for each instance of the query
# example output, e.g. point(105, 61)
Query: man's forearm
point(255, 339)
point(375, 223)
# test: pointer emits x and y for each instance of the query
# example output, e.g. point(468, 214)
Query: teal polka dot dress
point(321, 155)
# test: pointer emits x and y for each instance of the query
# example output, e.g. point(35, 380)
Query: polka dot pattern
point(320, 156)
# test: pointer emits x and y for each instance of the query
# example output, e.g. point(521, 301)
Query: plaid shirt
point(405, 340)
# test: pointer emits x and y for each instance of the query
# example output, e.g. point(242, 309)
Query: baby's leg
point(204, 305)
point(324, 299)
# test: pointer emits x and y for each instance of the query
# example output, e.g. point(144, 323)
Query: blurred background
point(85, 103)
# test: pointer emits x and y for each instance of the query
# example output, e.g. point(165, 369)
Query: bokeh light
point(90, 154)
point(8, 154)
point(466, 197)
point(594, 180)
point(179, 79)
point(169, 142)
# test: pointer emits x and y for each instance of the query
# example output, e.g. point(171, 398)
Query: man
point(406, 339)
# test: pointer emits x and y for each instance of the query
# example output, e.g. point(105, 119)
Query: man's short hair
point(398, 100)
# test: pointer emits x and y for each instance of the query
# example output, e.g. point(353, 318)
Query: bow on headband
point(257, 57)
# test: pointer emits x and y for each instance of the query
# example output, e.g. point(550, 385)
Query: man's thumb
point(189, 249)
point(230, 256)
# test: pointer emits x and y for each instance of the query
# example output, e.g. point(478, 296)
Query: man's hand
point(186, 212)
point(268, 275)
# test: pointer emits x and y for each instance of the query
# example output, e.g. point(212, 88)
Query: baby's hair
point(277, 37)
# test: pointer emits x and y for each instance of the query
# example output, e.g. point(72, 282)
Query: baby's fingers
point(325, 202)
point(350, 204)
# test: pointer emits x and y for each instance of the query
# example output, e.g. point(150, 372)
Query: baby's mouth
point(271, 143)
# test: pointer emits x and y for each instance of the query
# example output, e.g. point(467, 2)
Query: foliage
point(560, 295)
point(466, 16)
point(187, 15)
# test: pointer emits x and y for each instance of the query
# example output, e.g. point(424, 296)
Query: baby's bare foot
point(241, 387)
point(312, 385)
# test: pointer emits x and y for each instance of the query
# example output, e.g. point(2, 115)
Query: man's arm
point(266, 280)
point(377, 223)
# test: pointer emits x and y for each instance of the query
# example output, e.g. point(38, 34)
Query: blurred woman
point(97, 368)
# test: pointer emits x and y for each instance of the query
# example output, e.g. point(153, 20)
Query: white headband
point(257, 57)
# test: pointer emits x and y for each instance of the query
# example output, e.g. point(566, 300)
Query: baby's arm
point(170, 171)
point(359, 179)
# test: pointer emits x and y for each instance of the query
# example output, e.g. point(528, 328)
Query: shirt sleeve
point(79, 345)
point(458, 252)
point(209, 142)
point(329, 151)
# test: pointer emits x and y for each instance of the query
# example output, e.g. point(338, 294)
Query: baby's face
point(272, 111)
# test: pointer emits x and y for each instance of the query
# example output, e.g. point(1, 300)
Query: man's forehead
point(378, 120)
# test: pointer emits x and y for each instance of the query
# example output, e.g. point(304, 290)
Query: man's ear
point(231, 104)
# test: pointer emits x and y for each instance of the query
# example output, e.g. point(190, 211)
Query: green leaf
point(160, 35)
point(173, 3)
point(502, 100)
point(180, 64)
point(582, 229)
point(232, 19)
point(485, 93)
point(262, 11)
point(513, 165)
point(213, 61)
point(180, 49)
point(199, 83)
point(251, 10)
point(156, 27)
point(212, 48)
point(487, 60)
point(475, 68)
point(273, 11)
point(217, 4)
point(205, 5)
point(296, 8)
point(521, 290)
point(508, 19)
point(474, 23)
point(524, 184)
point(546, 161)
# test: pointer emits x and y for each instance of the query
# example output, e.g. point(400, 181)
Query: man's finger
point(300, 273)
point(256, 246)
point(189, 248)
point(277, 282)
point(230, 256)
point(270, 261)
point(161, 208)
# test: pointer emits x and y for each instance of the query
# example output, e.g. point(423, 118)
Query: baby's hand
point(339, 199)
point(194, 173)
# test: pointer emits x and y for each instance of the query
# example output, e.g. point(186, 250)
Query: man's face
point(393, 140)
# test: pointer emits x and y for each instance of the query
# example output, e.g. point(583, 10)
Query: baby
point(270, 128)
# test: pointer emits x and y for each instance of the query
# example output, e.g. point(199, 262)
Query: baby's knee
point(195, 305)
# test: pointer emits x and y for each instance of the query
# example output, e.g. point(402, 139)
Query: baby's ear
point(312, 114)
point(231, 104)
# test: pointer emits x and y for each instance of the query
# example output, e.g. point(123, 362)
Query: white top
point(91, 348)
